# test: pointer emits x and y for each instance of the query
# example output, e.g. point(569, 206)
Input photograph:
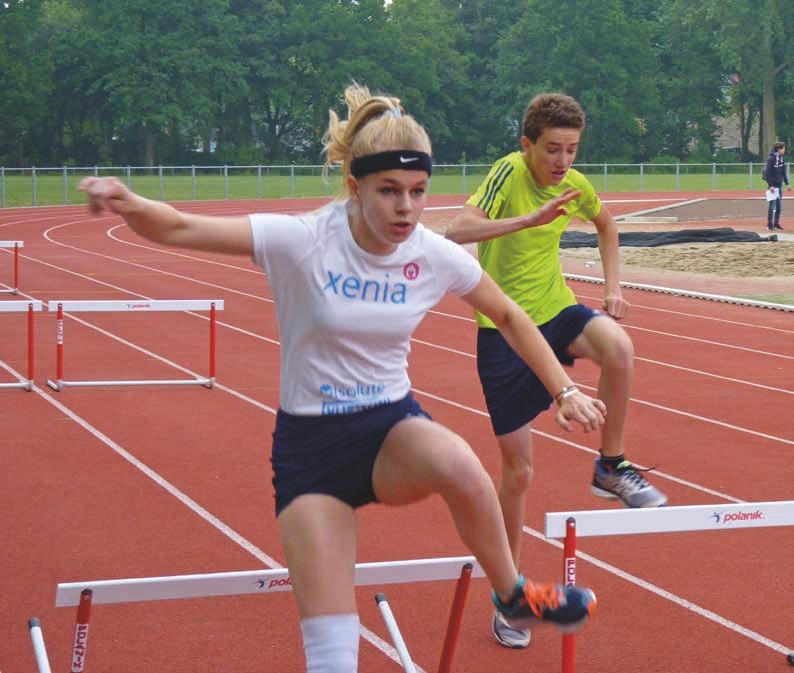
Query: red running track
point(103, 483)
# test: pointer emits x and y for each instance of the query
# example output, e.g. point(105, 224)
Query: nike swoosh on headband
point(389, 160)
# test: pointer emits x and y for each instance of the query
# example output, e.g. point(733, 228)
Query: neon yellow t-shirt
point(526, 264)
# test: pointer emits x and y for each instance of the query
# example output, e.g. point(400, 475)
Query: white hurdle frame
point(31, 307)
point(254, 581)
point(84, 594)
point(16, 245)
point(685, 518)
point(679, 519)
point(137, 306)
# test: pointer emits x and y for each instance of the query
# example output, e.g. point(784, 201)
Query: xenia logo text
point(365, 289)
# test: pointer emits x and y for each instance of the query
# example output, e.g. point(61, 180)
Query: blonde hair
point(374, 124)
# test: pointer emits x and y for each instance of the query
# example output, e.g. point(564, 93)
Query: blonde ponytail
point(374, 124)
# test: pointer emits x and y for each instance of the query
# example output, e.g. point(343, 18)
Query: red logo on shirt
point(411, 271)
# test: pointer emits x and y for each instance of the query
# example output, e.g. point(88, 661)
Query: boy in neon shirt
point(517, 217)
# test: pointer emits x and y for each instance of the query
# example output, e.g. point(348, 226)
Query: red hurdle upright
point(16, 245)
point(17, 307)
point(455, 619)
point(80, 645)
point(569, 579)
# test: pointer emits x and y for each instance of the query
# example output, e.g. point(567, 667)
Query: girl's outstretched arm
point(164, 224)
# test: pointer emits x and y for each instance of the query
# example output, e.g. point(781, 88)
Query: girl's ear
point(352, 186)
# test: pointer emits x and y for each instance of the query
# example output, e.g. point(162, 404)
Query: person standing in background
point(775, 175)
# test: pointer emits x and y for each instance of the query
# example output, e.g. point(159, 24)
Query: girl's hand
point(109, 194)
point(590, 413)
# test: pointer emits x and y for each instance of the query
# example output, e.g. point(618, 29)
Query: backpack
point(765, 174)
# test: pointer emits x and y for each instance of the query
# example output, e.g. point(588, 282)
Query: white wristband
point(566, 392)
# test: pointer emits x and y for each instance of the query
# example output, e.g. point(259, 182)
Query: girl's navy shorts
point(333, 455)
point(513, 394)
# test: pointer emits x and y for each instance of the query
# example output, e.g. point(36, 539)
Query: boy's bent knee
point(517, 477)
point(331, 643)
point(620, 352)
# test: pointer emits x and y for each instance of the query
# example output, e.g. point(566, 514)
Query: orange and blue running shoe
point(566, 607)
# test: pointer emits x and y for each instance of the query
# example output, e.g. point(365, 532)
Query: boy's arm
point(609, 249)
point(473, 225)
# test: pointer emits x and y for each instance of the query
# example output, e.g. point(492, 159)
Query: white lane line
point(694, 315)
point(709, 342)
point(580, 447)
point(715, 376)
point(648, 211)
point(172, 253)
point(636, 357)
point(139, 266)
point(670, 410)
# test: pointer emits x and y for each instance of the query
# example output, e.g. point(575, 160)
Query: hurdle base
point(59, 384)
point(26, 384)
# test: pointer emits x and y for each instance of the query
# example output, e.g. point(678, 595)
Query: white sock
point(331, 643)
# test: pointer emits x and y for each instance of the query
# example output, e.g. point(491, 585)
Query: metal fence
point(56, 186)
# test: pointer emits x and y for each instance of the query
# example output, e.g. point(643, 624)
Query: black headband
point(408, 160)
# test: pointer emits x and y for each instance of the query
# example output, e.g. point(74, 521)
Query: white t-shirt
point(345, 315)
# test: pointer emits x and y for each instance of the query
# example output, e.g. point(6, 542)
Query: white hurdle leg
point(38, 646)
point(394, 631)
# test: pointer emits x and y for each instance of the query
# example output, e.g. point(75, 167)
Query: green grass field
point(21, 187)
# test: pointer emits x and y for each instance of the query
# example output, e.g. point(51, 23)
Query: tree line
point(137, 82)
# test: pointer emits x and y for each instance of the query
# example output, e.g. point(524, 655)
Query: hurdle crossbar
point(17, 307)
point(16, 245)
point(253, 581)
point(135, 306)
point(672, 519)
point(680, 519)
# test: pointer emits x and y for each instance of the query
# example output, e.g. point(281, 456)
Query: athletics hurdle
point(589, 523)
point(460, 568)
point(16, 245)
point(142, 305)
point(16, 307)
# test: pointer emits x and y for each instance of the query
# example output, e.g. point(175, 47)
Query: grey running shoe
point(626, 484)
point(507, 636)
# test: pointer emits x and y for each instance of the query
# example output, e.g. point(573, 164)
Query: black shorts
point(333, 455)
point(513, 394)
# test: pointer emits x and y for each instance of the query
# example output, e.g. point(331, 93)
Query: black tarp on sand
point(650, 239)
